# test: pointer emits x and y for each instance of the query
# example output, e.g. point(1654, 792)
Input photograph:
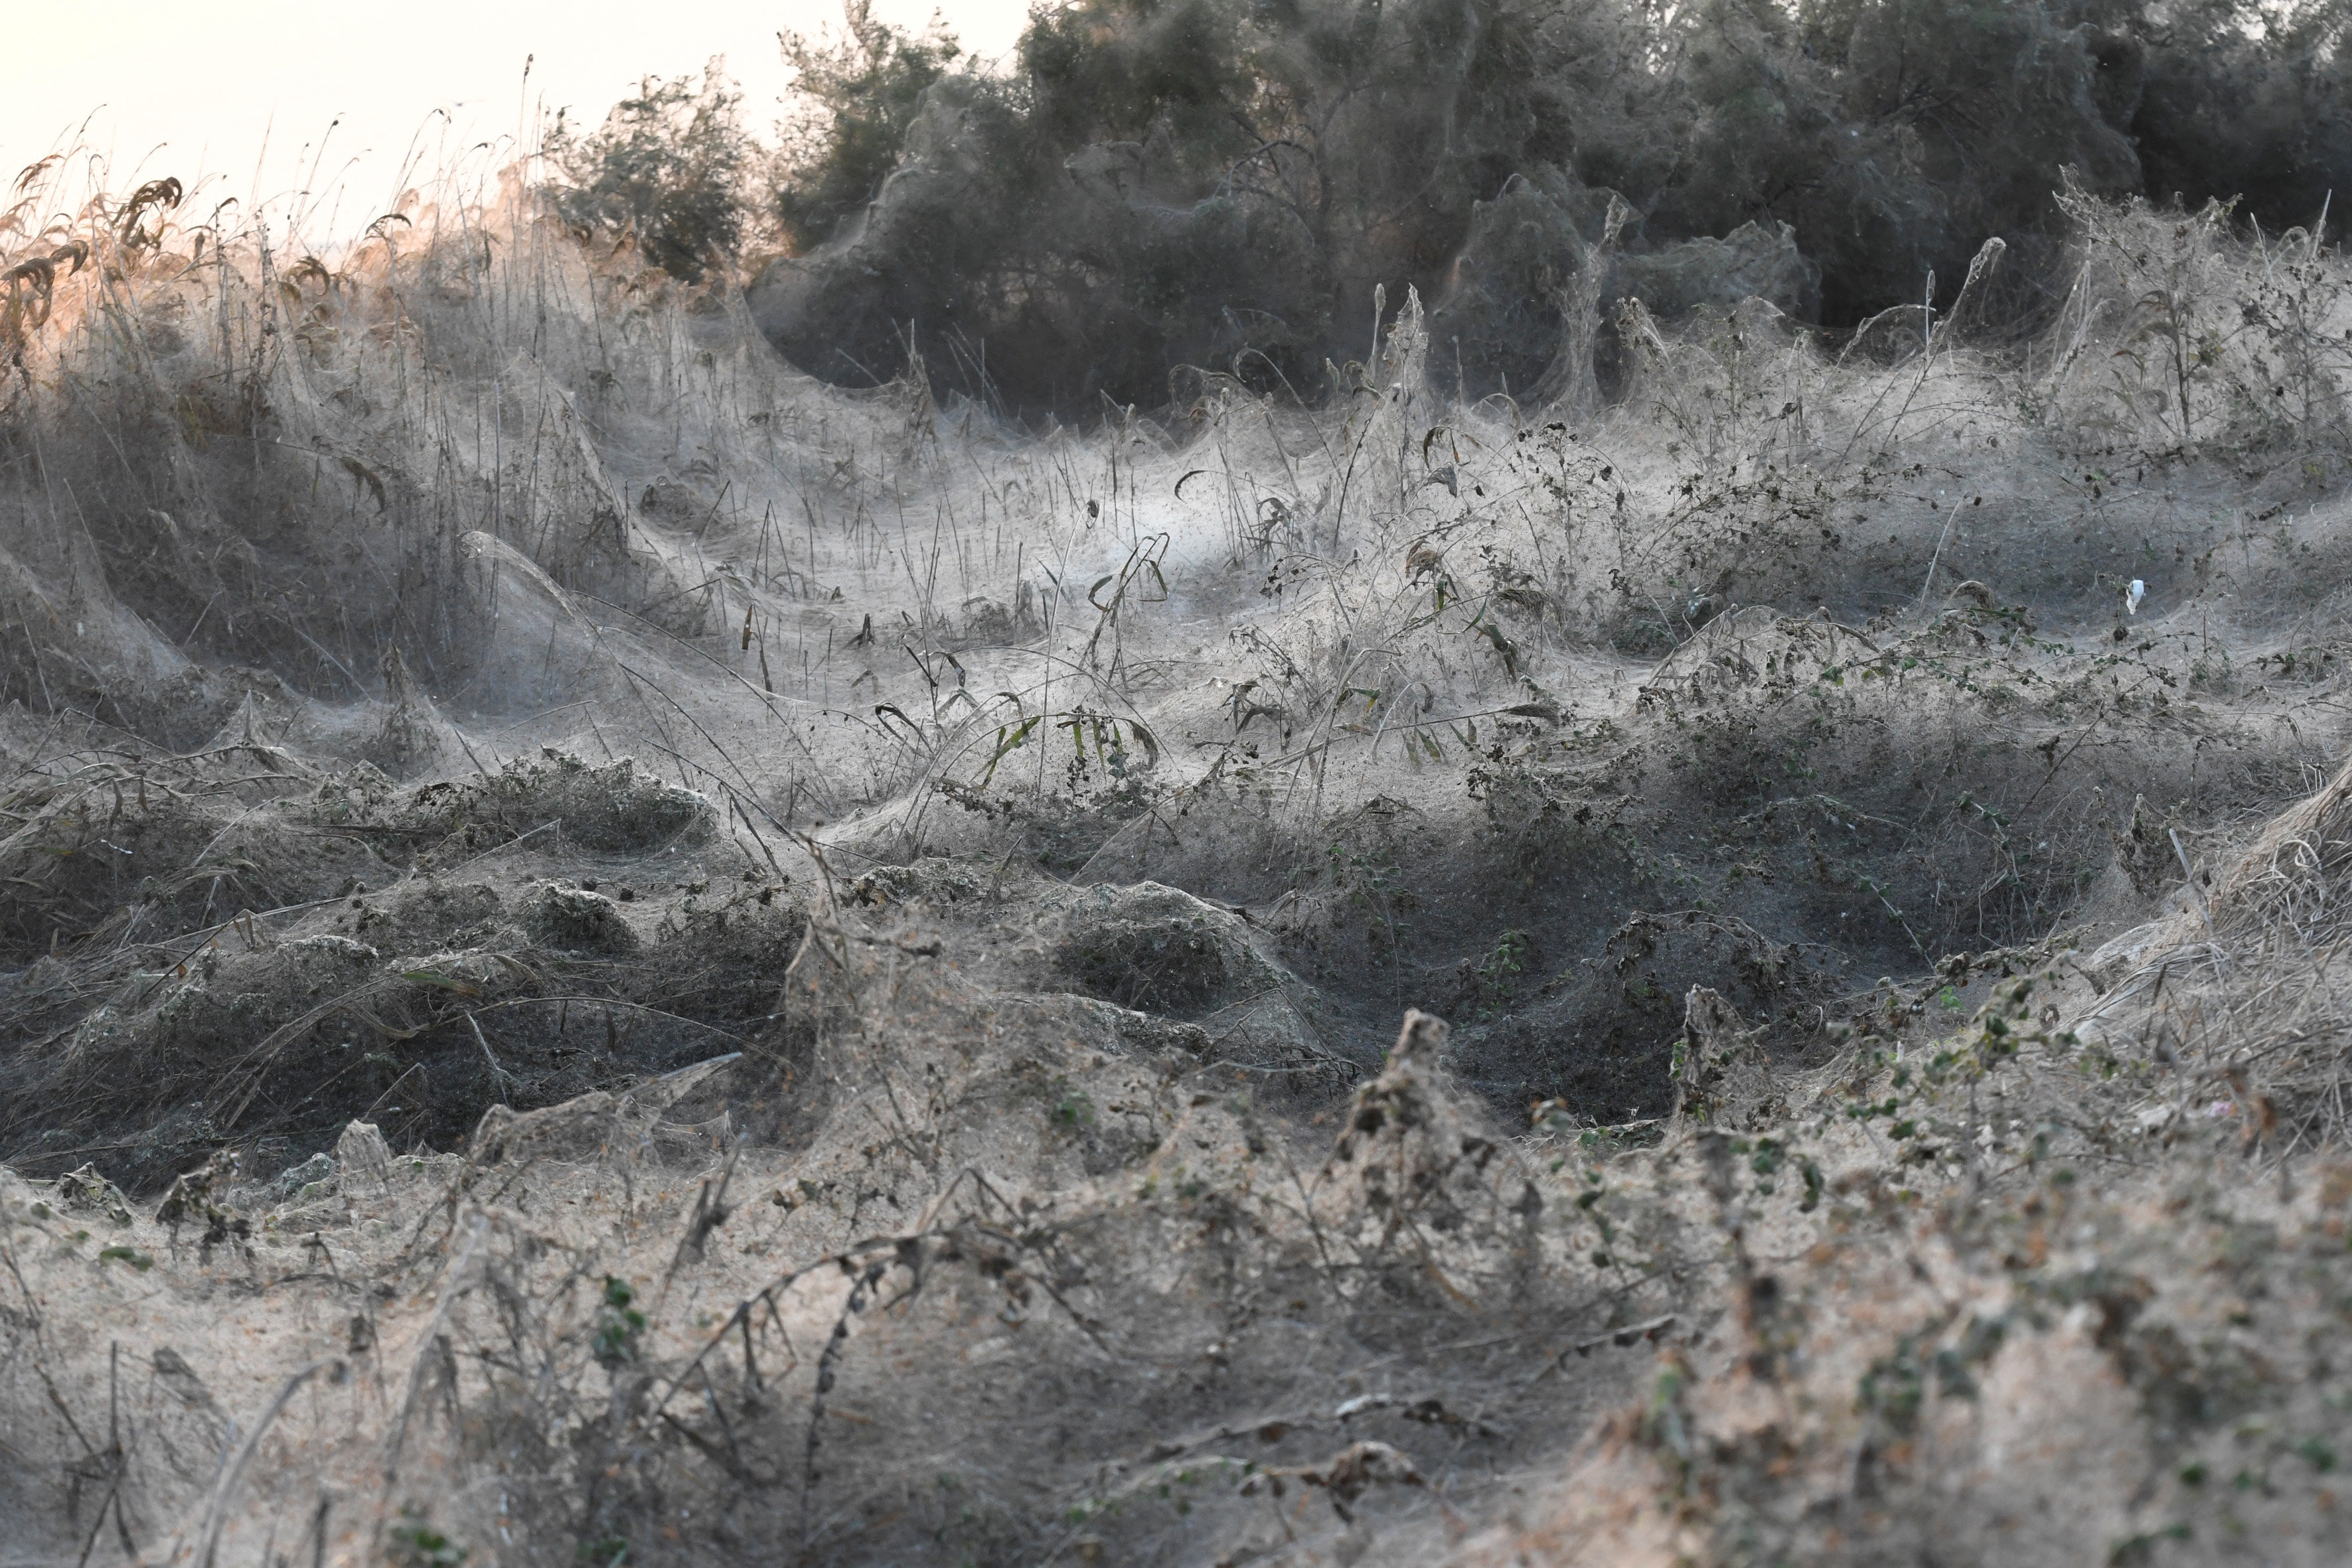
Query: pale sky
point(179, 89)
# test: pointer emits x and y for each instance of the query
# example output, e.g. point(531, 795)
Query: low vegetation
point(616, 951)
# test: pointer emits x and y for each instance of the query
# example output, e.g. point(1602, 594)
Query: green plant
point(1497, 972)
point(619, 1326)
point(1072, 1108)
point(860, 91)
point(666, 168)
point(417, 1544)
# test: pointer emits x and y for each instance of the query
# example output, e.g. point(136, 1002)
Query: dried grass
point(898, 923)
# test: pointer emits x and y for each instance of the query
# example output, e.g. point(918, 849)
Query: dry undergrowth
point(614, 956)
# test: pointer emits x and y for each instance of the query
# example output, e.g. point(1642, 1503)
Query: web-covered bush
point(1153, 183)
point(668, 166)
point(861, 91)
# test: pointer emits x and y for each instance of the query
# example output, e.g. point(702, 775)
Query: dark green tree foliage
point(1996, 98)
point(863, 88)
point(667, 165)
point(1163, 183)
point(1225, 184)
point(2241, 99)
point(1774, 135)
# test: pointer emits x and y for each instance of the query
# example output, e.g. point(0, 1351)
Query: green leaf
point(1007, 742)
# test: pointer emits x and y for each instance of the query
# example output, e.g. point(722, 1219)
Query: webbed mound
point(613, 808)
point(1160, 950)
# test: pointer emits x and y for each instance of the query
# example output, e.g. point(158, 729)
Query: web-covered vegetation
point(614, 952)
point(1146, 186)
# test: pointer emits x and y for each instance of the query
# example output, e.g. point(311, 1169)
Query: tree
point(860, 91)
point(668, 166)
